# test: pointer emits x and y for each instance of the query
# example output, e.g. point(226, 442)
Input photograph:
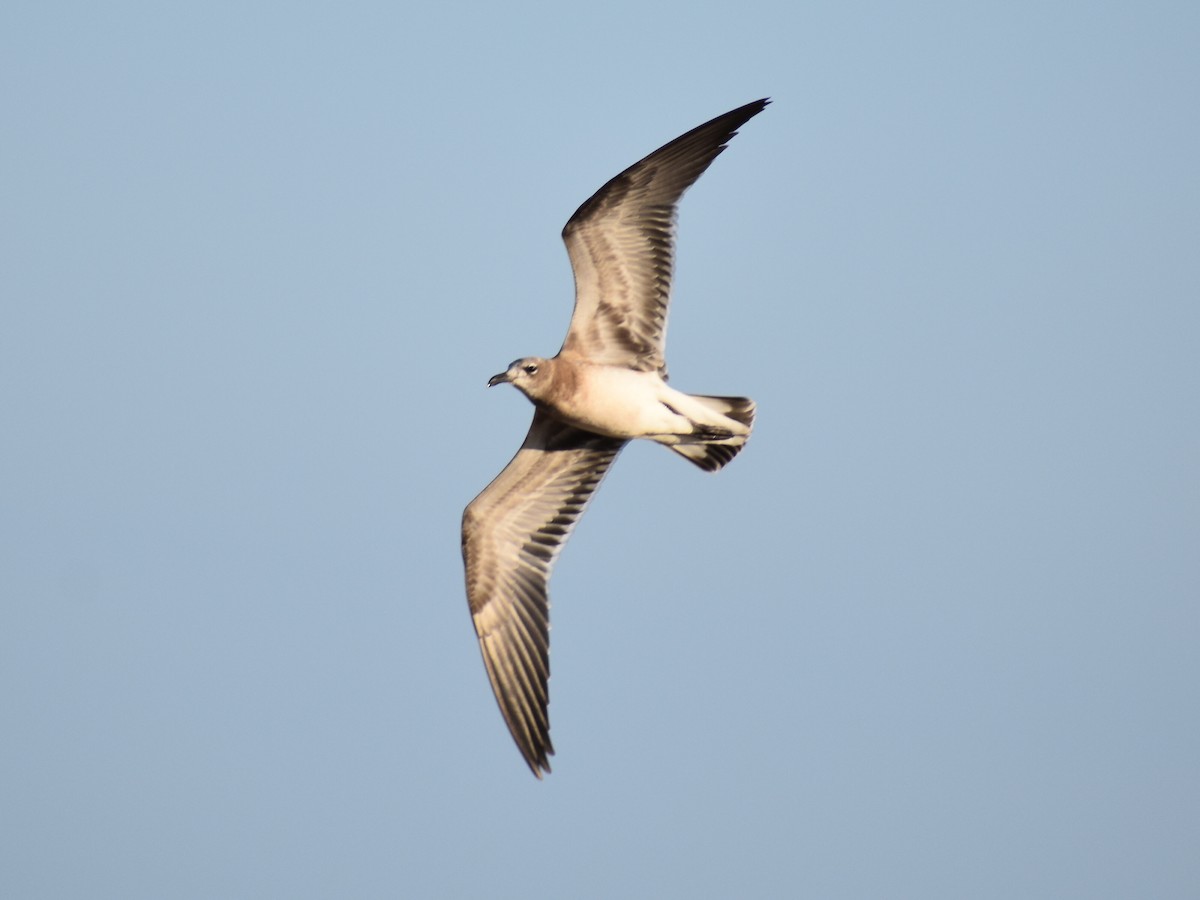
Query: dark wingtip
point(538, 758)
point(742, 115)
point(706, 142)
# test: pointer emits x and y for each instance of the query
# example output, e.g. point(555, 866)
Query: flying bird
point(606, 386)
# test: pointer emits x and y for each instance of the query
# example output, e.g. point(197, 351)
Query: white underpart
point(622, 403)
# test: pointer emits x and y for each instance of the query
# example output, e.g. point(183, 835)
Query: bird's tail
point(711, 448)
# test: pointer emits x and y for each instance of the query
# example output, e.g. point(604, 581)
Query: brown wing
point(511, 535)
point(622, 248)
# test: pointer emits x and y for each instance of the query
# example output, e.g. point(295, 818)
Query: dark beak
point(498, 379)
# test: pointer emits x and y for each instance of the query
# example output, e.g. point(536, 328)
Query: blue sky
point(932, 635)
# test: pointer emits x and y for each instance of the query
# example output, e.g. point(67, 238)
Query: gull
point(606, 387)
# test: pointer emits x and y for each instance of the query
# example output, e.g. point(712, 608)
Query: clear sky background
point(934, 634)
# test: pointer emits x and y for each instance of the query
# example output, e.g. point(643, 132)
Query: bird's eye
point(531, 369)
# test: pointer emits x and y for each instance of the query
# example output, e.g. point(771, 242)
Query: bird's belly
point(621, 403)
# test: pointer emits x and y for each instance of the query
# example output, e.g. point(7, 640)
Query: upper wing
point(622, 248)
point(512, 533)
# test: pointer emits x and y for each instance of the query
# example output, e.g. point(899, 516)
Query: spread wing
point(512, 533)
point(622, 248)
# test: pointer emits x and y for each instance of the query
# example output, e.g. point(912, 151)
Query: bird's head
point(530, 375)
